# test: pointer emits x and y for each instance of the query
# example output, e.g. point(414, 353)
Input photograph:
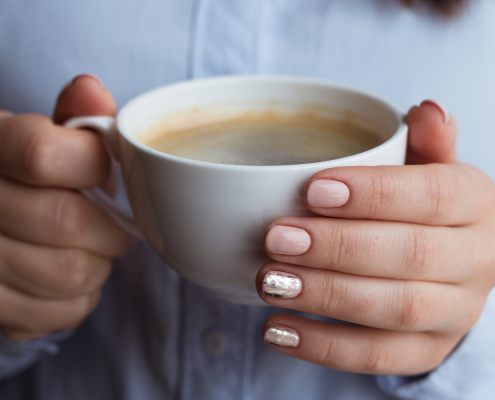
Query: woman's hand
point(406, 252)
point(55, 246)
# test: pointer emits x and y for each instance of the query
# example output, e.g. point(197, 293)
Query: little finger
point(23, 317)
point(357, 349)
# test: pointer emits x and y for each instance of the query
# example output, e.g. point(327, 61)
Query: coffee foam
point(267, 137)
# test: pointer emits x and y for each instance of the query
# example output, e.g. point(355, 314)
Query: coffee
point(260, 137)
point(206, 220)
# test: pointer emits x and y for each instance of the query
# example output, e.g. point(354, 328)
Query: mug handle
point(105, 126)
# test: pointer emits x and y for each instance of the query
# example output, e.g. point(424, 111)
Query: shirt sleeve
point(467, 374)
point(16, 357)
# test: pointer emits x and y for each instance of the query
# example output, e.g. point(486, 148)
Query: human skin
point(409, 256)
point(446, 8)
point(56, 248)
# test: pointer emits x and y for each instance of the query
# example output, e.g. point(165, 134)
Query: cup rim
point(401, 129)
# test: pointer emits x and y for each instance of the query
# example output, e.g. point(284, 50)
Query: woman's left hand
point(406, 252)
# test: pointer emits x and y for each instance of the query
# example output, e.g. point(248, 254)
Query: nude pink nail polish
point(327, 193)
point(281, 336)
point(442, 109)
point(287, 240)
point(281, 284)
point(94, 77)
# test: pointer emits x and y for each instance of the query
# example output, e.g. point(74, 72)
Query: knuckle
point(70, 216)
point(411, 305)
point(440, 193)
point(340, 248)
point(75, 270)
point(329, 352)
point(40, 152)
point(376, 358)
point(382, 192)
point(419, 252)
point(332, 301)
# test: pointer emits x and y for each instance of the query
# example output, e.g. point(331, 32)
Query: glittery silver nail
point(280, 336)
point(281, 284)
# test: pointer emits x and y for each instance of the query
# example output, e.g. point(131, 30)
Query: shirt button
point(215, 343)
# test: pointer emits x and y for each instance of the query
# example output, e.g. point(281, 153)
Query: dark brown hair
point(444, 7)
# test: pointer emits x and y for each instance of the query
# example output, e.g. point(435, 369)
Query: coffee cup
point(206, 220)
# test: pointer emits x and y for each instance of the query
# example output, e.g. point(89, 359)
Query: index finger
point(36, 151)
point(433, 194)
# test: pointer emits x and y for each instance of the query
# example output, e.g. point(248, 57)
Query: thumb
point(432, 134)
point(85, 95)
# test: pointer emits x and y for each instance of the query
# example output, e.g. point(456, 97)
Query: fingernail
point(327, 193)
point(443, 110)
point(94, 77)
point(287, 240)
point(281, 284)
point(281, 336)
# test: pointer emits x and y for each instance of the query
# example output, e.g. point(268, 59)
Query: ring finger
point(375, 302)
point(51, 272)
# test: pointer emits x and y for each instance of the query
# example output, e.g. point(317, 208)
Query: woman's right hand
point(56, 247)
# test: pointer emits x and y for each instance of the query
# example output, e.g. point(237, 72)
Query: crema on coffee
point(261, 138)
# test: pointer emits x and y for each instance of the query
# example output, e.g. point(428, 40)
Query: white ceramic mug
point(207, 220)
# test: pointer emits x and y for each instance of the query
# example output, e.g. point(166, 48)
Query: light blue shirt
point(156, 336)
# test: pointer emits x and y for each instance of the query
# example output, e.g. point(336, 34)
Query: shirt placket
point(225, 37)
point(218, 349)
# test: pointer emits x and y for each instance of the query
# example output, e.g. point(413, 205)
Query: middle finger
point(51, 272)
point(375, 248)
